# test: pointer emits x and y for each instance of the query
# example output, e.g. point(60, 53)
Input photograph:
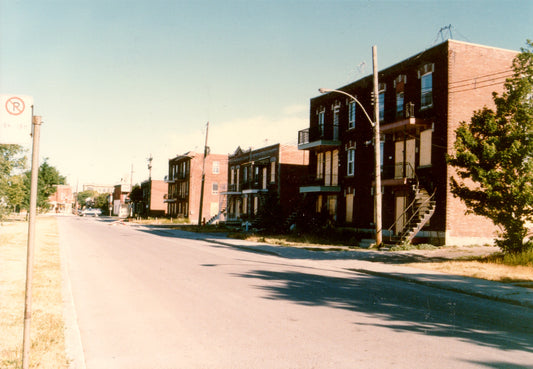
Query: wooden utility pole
point(377, 152)
point(206, 150)
point(26, 340)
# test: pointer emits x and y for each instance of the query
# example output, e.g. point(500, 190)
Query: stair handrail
point(426, 201)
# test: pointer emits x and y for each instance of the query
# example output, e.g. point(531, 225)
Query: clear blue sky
point(116, 81)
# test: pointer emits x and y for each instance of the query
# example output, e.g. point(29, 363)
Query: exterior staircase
point(417, 214)
point(216, 217)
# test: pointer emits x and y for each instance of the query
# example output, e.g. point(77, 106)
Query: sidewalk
point(379, 263)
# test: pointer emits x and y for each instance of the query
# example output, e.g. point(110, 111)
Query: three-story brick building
point(184, 185)
point(422, 100)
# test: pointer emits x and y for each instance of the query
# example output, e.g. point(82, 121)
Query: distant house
point(184, 181)
point(253, 175)
point(100, 188)
point(153, 193)
point(422, 100)
point(61, 201)
point(121, 200)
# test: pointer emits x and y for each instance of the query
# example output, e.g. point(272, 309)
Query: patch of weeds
point(524, 258)
point(409, 247)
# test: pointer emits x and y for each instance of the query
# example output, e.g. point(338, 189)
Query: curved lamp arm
point(326, 90)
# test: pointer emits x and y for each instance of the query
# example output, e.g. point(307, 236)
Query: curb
point(448, 287)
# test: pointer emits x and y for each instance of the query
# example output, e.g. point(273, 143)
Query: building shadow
point(404, 306)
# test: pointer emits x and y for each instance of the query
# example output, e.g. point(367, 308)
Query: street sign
point(15, 119)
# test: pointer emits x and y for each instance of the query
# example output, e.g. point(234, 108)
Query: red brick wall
point(474, 72)
point(158, 191)
point(210, 178)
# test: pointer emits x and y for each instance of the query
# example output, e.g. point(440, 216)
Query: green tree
point(48, 177)
point(12, 163)
point(494, 158)
point(87, 198)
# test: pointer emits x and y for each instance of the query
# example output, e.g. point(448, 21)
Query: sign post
point(26, 344)
point(16, 124)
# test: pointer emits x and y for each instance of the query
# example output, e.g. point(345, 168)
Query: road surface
point(146, 300)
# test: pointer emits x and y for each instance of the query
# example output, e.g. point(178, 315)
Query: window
point(425, 147)
point(381, 106)
point(321, 122)
point(214, 191)
point(320, 165)
point(232, 175)
point(427, 90)
point(351, 114)
point(216, 167)
point(351, 161)
point(336, 110)
point(399, 104)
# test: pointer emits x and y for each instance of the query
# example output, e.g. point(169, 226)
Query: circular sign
point(15, 106)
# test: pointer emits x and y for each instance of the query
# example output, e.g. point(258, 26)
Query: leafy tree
point(494, 158)
point(136, 198)
point(48, 177)
point(87, 198)
point(102, 202)
point(12, 163)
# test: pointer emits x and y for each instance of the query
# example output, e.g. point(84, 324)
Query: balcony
point(176, 177)
point(398, 174)
point(321, 185)
point(312, 139)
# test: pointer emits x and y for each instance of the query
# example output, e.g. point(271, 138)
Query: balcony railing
point(398, 171)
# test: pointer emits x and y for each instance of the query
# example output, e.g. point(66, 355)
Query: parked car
point(90, 212)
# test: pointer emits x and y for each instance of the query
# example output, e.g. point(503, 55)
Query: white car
point(90, 212)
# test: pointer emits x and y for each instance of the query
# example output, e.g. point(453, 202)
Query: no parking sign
point(15, 119)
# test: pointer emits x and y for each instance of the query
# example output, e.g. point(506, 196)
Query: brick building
point(153, 198)
point(61, 201)
point(121, 200)
point(422, 101)
point(252, 174)
point(184, 181)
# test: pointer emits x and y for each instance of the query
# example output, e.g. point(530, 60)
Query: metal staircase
point(415, 216)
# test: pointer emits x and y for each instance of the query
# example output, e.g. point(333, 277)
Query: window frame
point(425, 91)
point(352, 113)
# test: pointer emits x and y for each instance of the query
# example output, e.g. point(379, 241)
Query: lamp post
point(377, 148)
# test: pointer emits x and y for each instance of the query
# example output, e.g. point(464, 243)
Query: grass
point(47, 326)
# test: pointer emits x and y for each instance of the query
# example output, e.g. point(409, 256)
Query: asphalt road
point(146, 300)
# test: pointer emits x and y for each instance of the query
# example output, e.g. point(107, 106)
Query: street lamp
point(377, 158)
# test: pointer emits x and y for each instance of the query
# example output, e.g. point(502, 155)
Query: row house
point(184, 181)
point(275, 170)
point(153, 198)
point(422, 100)
point(121, 200)
point(61, 200)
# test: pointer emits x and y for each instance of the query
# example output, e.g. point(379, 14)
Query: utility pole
point(377, 152)
point(206, 150)
point(26, 340)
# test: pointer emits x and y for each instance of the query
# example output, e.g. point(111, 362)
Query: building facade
point(422, 100)
point(254, 175)
point(121, 200)
point(184, 181)
point(62, 200)
point(154, 193)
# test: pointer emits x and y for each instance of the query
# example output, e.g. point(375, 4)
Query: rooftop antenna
point(442, 32)
point(150, 167)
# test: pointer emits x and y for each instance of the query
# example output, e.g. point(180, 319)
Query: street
point(147, 300)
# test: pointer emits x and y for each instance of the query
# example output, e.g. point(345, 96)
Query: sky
point(119, 81)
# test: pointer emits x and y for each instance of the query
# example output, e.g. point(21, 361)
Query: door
point(401, 203)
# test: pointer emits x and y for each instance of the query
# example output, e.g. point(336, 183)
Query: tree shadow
point(406, 306)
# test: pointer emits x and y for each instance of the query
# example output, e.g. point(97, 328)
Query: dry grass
point(47, 326)
point(522, 275)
